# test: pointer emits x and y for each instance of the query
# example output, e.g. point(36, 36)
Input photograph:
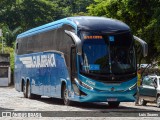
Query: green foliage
point(10, 51)
point(17, 16)
point(73, 6)
point(38, 12)
point(9, 36)
point(29, 13)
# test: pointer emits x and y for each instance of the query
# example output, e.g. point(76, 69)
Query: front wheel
point(113, 104)
point(141, 101)
point(65, 96)
point(158, 101)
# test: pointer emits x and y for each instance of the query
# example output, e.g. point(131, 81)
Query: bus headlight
point(83, 84)
point(133, 86)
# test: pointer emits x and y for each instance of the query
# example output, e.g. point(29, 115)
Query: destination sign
point(93, 37)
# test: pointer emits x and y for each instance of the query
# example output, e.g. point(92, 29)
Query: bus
point(82, 59)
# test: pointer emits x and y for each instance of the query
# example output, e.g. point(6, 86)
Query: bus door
point(73, 60)
point(75, 50)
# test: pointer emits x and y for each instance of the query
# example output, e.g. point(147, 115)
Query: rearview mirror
point(143, 44)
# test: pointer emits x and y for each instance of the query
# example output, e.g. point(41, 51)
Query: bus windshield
point(107, 54)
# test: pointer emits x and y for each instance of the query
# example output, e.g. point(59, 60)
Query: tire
point(113, 104)
point(24, 90)
point(141, 101)
point(66, 101)
point(29, 94)
point(158, 101)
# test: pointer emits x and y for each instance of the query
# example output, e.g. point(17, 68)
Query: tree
point(28, 13)
point(20, 15)
point(39, 12)
point(73, 7)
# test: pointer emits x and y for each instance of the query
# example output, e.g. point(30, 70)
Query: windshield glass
point(122, 53)
point(104, 54)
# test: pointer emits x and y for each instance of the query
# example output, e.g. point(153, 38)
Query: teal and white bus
point(84, 59)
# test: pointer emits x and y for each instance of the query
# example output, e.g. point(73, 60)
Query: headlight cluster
point(133, 86)
point(83, 84)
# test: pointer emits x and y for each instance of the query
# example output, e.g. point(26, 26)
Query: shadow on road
point(95, 106)
point(54, 101)
point(105, 107)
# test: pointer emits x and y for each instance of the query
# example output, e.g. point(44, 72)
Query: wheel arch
point(63, 83)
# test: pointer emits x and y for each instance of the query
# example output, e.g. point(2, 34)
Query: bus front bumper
point(105, 96)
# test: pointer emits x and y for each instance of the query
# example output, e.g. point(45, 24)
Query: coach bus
point(84, 59)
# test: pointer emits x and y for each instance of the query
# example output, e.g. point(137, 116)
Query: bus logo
point(39, 61)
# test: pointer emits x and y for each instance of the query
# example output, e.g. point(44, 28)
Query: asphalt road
point(14, 106)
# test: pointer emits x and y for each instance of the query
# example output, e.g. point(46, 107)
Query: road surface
point(12, 103)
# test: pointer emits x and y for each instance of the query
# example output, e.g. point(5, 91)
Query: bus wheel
point(24, 90)
point(65, 95)
point(29, 94)
point(113, 104)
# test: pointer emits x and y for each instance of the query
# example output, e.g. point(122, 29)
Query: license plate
point(112, 99)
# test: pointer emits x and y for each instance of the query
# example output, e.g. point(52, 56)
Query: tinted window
point(122, 53)
point(107, 54)
point(50, 40)
point(95, 57)
point(149, 81)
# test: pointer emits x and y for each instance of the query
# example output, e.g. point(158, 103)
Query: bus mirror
point(143, 44)
point(77, 41)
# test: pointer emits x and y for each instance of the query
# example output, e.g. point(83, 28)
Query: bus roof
point(99, 23)
point(47, 27)
point(107, 25)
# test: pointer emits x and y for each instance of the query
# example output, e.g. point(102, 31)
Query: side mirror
point(143, 44)
point(76, 39)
